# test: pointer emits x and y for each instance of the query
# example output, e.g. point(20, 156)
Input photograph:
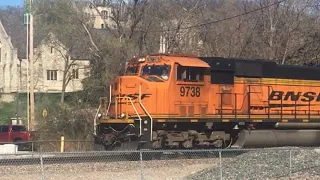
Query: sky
point(4, 3)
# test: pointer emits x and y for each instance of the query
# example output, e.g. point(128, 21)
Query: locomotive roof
point(261, 68)
point(255, 68)
point(187, 61)
point(183, 60)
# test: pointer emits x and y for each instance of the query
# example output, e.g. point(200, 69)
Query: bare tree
point(62, 19)
point(258, 30)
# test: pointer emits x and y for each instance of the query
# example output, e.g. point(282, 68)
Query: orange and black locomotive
point(175, 101)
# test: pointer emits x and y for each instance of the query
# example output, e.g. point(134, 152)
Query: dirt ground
point(155, 170)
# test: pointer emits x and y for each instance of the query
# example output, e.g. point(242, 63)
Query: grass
point(42, 101)
point(7, 111)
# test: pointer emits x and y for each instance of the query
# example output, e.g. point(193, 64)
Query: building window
point(102, 26)
point(104, 14)
point(52, 75)
point(52, 50)
point(75, 73)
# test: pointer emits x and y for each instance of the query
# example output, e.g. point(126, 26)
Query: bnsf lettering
point(294, 96)
point(276, 95)
point(309, 96)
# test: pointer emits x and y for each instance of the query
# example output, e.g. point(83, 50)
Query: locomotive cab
point(191, 82)
point(145, 83)
point(140, 97)
point(152, 68)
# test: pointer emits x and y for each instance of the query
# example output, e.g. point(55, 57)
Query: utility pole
point(26, 21)
point(29, 14)
point(32, 120)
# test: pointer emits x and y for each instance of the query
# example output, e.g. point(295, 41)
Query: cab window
point(132, 70)
point(4, 129)
point(194, 74)
point(162, 71)
point(18, 128)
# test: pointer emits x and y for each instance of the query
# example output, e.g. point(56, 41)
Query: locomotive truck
point(165, 101)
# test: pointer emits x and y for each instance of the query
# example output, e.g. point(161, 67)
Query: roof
point(186, 61)
point(4, 33)
point(259, 68)
point(80, 50)
point(12, 21)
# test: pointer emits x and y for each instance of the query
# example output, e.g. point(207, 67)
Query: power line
point(225, 19)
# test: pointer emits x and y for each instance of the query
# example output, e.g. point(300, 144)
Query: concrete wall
point(7, 97)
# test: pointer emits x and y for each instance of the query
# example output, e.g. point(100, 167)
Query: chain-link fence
point(271, 163)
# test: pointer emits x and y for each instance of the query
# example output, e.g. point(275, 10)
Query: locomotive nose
point(115, 85)
point(125, 92)
point(126, 86)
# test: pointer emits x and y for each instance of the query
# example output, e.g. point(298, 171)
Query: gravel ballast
point(266, 164)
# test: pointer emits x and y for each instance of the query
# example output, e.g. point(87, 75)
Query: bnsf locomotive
point(175, 101)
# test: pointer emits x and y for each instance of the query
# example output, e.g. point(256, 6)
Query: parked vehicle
point(17, 134)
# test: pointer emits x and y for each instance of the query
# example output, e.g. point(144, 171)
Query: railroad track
point(112, 156)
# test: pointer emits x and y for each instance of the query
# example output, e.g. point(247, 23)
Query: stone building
point(100, 15)
point(50, 59)
point(9, 66)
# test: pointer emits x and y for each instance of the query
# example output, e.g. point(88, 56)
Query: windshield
point(161, 71)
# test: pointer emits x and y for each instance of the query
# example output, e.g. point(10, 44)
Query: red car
point(14, 134)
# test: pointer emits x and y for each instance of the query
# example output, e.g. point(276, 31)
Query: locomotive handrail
point(279, 111)
point(134, 108)
point(151, 128)
point(95, 121)
point(110, 99)
point(236, 108)
point(136, 113)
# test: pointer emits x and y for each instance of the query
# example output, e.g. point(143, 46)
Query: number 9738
point(186, 91)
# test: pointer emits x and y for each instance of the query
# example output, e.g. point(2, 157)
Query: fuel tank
point(277, 138)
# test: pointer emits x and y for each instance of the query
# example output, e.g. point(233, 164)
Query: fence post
point(290, 165)
point(141, 167)
point(220, 161)
point(62, 144)
point(42, 168)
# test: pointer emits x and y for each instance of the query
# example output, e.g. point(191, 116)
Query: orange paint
point(190, 99)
